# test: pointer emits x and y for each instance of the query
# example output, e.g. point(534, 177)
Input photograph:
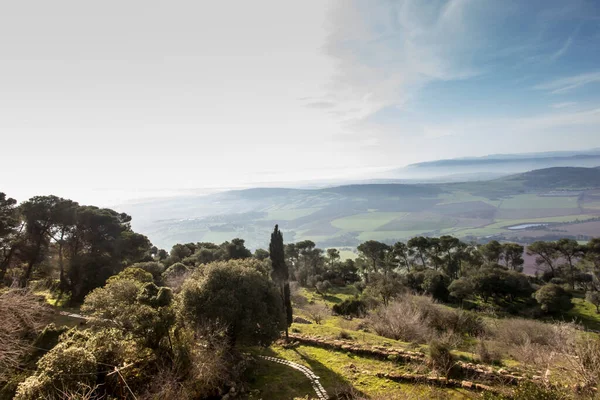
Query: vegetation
point(189, 322)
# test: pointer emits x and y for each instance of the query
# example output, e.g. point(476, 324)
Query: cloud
point(320, 104)
point(560, 52)
point(566, 84)
point(564, 104)
point(386, 51)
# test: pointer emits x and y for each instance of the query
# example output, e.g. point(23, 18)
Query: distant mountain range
point(493, 166)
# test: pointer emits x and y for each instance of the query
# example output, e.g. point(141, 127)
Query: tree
point(10, 229)
point(553, 298)
point(235, 250)
point(461, 288)
point(491, 252)
point(280, 274)
point(333, 256)
point(418, 246)
point(545, 253)
point(261, 254)
point(100, 245)
point(41, 215)
point(435, 283)
point(401, 255)
point(385, 287)
point(235, 296)
point(512, 254)
point(571, 252)
point(375, 253)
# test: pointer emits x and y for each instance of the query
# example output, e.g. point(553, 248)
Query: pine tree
point(280, 274)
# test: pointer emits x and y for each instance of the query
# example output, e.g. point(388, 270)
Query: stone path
point(314, 380)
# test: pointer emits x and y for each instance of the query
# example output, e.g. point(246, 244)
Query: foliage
point(553, 298)
point(61, 369)
point(350, 308)
point(141, 309)
point(237, 297)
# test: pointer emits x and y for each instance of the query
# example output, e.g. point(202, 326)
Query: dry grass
point(23, 317)
point(419, 319)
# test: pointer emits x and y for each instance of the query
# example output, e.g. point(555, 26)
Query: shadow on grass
point(335, 384)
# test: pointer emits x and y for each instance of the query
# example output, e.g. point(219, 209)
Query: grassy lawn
point(337, 371)
point(584, 313)
point(366, 221)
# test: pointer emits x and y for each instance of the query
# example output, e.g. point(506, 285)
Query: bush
point(317, 312)
point(323, 287)
point(238, 297)
point(440, 358)
point(350, 308)
point(23, 317)
point(553, 298)
point(419, 319)
point(486, 355)
point(62, 369)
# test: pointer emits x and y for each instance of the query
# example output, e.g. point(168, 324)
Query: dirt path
point(314, 380)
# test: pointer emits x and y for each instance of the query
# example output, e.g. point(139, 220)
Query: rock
point(466, 384)
point(300, 320)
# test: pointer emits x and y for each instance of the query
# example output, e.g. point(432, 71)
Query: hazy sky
point(137, 96)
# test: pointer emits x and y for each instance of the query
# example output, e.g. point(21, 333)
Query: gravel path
point(314, 380)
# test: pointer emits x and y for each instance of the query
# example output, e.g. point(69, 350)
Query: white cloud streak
point(566, 84)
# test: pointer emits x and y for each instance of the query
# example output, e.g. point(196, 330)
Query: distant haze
point(109, 101)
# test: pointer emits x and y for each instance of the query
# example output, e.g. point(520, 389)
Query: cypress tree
point(279, 273)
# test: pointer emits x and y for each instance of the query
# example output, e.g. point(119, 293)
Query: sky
point(106, 101)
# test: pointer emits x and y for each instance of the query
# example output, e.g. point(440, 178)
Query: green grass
point(584, 313)
point(430, 222)
point(338, 370)
point(366, 221)
point(534, 201)
point(463, 197)
point(291, 214)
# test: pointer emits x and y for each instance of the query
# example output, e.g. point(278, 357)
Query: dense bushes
point(350, 308)
point(419, 319)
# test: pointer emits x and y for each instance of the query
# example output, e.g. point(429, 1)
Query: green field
point(289, 214)
point(367, 221)
point(535, 201)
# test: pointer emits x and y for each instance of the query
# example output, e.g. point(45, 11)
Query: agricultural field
point(347, 215)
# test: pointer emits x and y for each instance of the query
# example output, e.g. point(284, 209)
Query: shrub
point(436, 283)
point(23, 317)
point(132, 274)
point(553, 298)
point(323, 287)
point(350, 308)
point(486, 355)
point(237, 296)
point(440, 358)
point(344, 335)
point(154, 268)
point(419, 319)
point(61, 369)
point(317, 312)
